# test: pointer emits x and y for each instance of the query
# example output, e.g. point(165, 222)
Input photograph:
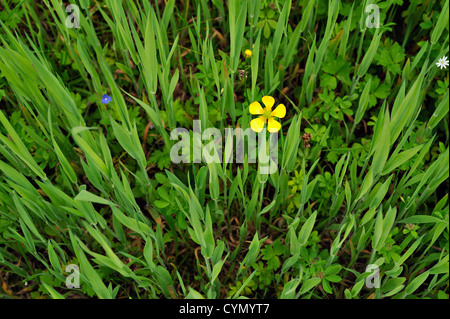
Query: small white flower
point(442, 63)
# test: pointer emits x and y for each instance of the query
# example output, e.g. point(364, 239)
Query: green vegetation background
point(363, 150)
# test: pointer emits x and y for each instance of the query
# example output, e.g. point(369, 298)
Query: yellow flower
point(248, 53)
point(267, 115)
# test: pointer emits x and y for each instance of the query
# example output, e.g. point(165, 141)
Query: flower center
point(267, 113)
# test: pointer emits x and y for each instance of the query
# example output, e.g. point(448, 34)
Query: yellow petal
point(268, 101)
point(273, 126)
point(256, 108)
point(280, 111)
point(257, 124)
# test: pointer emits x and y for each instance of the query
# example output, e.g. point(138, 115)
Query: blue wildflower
point(106, 99)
